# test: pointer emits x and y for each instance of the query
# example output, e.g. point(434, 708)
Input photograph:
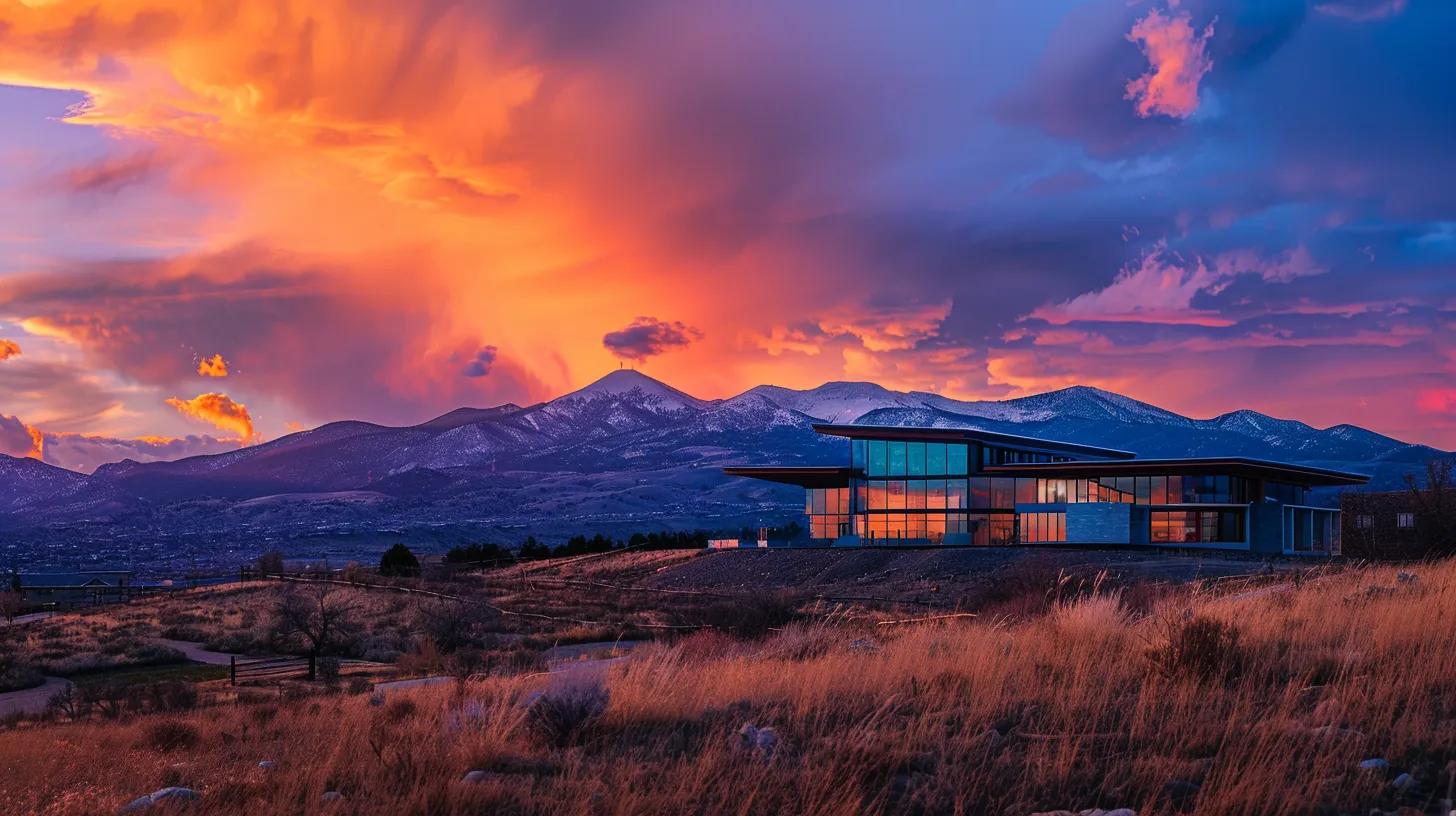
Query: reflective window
point(915, 458)
point(897, 458)
point(955, 460)
point(915, 494)
point(935, 463)
point(878, 464)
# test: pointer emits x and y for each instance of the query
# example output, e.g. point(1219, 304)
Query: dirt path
point(33, 700)
point(195, 652)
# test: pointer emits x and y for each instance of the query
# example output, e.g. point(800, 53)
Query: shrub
point(561, 715)
point(360, 685)
point(171, 695)
point(17, 674)
point(749, 616)
point(170, 735)
point(1200, 648)
point(328, 669)
point(399, 562)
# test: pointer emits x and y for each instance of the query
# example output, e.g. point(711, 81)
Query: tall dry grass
point(1077, 708)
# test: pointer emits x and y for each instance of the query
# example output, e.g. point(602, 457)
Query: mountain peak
point(625, 381)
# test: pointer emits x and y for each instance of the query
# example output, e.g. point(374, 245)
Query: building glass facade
point(963, 487)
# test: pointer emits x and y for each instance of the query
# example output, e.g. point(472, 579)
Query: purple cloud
point(480, 364)
point(648, 337)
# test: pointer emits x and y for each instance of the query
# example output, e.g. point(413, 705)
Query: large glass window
point(980, 492)
point(935, 494)
point(915, 458)
point(1003, 492)
point(935, 459)
point(1043, 527)
point(955, 494)
point(857, 454)
point(955, 459)
point(1025, 491)
point(897, 458)
point(878, 463)
point(896, 490)
point(828, 510)
point(1196, 526)
point(915, 494)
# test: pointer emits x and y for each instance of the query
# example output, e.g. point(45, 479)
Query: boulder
point(166, 796)
point(478, 776)
point(759, 740)
point(267, 765)
point(864, 645)
point(1374, 764)
point(332, 796)
point(1403, 781)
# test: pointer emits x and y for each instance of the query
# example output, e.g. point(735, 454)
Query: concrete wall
point(1101, 523)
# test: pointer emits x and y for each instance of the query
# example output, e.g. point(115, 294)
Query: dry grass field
point(1260, 701)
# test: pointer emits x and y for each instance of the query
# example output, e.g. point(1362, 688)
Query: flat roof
point(801, 476)
point(898, 432)
point(1230, 465)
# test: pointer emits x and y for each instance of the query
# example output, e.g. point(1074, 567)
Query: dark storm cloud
point(649, 337)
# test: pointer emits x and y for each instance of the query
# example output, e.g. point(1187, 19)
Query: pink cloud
point(1178, 58)
point(84, 452)
point(1437, 400)
point(1362, 10)
point(1161, 287)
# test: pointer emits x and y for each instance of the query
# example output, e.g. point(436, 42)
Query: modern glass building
point(943, 486)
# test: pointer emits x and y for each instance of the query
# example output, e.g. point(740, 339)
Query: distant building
point(74, 588)
point(1381, 525)
point(942, 486)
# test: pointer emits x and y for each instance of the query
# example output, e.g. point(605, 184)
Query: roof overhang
point(801, 476)
point(899, 433)
point(1219, 465)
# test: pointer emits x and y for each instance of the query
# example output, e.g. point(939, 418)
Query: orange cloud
point(214, 366)
point(20, 439)
point(8, 349)
point(894, 329)
point(1178, 60)
point(218, 410)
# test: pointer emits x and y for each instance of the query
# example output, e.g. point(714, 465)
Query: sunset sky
point(222, 221)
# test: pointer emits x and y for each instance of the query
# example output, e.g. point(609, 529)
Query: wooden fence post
point(233, 669)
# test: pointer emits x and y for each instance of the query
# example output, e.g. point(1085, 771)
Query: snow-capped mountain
point(625, 451)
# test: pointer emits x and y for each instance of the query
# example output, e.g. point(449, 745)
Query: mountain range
point(625, 453)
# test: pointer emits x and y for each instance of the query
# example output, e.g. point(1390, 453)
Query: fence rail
point(264, 669)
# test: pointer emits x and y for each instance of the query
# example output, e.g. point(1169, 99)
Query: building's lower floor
point(1267, 528)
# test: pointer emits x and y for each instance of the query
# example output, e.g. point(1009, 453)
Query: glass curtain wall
point(914, 490)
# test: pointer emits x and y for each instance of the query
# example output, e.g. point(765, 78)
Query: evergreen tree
point(399, 562)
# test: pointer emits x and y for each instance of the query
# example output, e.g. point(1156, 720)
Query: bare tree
point(320, 618)
point(11, 602)
point(453, 624)
point(1435, 508)
point(270, 563)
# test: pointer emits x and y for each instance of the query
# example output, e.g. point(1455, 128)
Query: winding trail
point(31, 701)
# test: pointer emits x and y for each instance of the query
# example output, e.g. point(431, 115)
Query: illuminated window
point(1405, 521)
